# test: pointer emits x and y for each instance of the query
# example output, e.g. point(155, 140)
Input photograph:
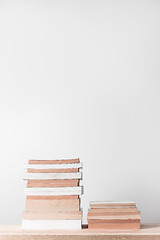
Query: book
point(112, 203)
point(114, 219)
point(106, 204)
point(76, 175)
point(53, 166)
point(62, 161)
point(113, 215)
point(35, 197)
point(51, 215)
point(109, 213)
point(111, 206)
point(124, 226)
point(99, 221)
point(51, 224)
point(52, 194)
point(52, 183)
point(113, 210)
point(53, 205)
point(65, 170)
point(53, 191)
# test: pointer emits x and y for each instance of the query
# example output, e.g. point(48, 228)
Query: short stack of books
point(53, 194)
point(113, 215)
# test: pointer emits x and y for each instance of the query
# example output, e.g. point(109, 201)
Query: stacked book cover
point(113, 215)
point(53, 194)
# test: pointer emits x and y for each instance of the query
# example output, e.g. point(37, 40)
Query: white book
point(53, 166)
point(53, 191)
point(72, 175)
point(51, 224)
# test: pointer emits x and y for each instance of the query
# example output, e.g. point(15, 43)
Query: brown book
point(112, 204)
point(52, 197)
point(124, 226)
point(113, 221)
point(63, 170)
point(63, 161)
point(111, 213)
point(53, 205)
point(53, 183)
point(116, 217)
point(49, 215)
point(95, 210)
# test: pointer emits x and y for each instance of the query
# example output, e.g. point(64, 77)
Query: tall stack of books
point(53, 194)
point(113, 215)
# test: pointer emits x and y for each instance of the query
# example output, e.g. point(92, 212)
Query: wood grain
point(146, 232)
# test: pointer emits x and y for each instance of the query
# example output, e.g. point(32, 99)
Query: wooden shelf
point(147, 231)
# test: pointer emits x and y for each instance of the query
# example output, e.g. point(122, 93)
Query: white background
point(81, 79)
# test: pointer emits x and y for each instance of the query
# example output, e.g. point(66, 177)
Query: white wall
point(81, 79)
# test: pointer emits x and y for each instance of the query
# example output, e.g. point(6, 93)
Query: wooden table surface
point(14, 232)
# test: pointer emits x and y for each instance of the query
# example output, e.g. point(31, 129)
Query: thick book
point(51, 224)
point(114, 219)
point(98, 221)
point(53, 191)
point(125, 226)
point(53, 205)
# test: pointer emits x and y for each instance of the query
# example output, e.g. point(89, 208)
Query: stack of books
point(53, 194)
point(113, 215)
